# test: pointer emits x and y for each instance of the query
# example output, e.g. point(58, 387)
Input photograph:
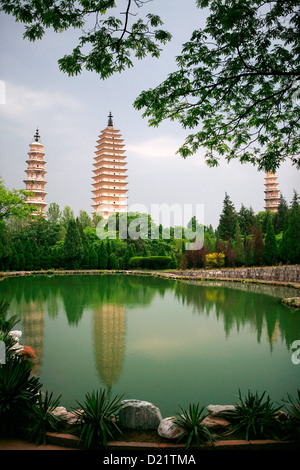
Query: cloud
point(160, 147)
point(23, 101)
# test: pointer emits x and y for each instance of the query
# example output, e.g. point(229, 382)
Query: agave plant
point(293, 424)
point(191, 422)
point(18, 390)
point(98, 417)
point(254, 417)
point(42, 418)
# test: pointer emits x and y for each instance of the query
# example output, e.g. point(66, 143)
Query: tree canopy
point(237, 83)
point(107, 43)
point(13, 203)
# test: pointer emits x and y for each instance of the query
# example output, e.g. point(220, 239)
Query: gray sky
point(71, 112)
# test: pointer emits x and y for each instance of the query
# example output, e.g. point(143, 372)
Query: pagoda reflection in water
point(109, 342)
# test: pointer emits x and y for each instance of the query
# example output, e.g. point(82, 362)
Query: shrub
point(254, 417)
point(215, 260)
point(98, 417)
point(18, 390)
point(150, 262)
point(194, 430)
point(42, 418)
point(293, 423)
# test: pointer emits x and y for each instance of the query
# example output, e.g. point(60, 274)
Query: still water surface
point(165, 341)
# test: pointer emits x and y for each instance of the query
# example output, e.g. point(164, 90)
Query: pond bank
point(287, 276)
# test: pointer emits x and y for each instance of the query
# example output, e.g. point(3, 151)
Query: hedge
point(150, 262)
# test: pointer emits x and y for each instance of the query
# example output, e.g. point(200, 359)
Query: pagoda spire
point(110, 121)
point(37, 135)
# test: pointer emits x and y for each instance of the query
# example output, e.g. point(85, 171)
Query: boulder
point(215, 410)
point(60, 412)
point(69, 416)
point(168, 429)
point(214, 423)
point(138, 414)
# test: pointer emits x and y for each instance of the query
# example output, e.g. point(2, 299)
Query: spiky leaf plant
point(191, 422)
point(293, 424)
point(98, 417)
point(42, 418)
point(18, 390)
point(254, 417)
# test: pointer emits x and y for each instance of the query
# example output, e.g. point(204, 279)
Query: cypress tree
point(239, 247)
point(20, 252)
point(28, 256)
point(283, 252)
point(102, 257)
point(56, 257)
point(14, 261)
point(246, 219)
point(36, 256)
point(293, 235)
point(72, 247)
point(258, 241)
point(93, 258)
point(280, 215)
point(228, 219)
point(126, 259)
point(113, 262)
point(85, 262)
point(270, 251)
point(45, 258)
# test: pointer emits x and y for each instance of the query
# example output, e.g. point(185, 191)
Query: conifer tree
point(45, 258)
point(239, 246)
point(72, 247)
point(246, 219)
point(36, 255)
point(102, 256)
point(279, 216)
point(85, 262)
point(28, 256)
point(113, 262)
point(20, 252)
point(228, 219)
point(93, 258)
point(270, 251)
point(125, 260)
point(293, 234)
point(14, 261)
point(56, 261)
point(258, 241)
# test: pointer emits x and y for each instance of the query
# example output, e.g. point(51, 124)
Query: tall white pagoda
point(35, 179)
point(271, 192)
point(110, 186)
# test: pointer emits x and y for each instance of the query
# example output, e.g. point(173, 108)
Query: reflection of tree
point(109, 341)
point(240, 306)
point(73, 297)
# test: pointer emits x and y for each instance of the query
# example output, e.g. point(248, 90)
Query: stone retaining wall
point(283, 274)
point(272, 273)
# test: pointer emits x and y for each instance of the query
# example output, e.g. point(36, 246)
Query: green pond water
point(165, 341)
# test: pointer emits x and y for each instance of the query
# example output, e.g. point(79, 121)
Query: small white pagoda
point(35, 182)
